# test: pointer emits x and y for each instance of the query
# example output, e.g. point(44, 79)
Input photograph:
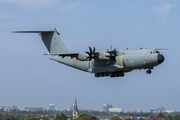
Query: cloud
point(142, 8)
point(5, 16)
point(128, 4)
point(63, 7)
point(163, 11)
point(32, 3)
point(68, 7)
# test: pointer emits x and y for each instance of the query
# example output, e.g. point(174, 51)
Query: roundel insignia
point(77, 61)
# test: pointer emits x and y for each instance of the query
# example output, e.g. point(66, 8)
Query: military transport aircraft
point(113, 63)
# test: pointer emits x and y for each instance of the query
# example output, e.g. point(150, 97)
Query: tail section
point(51, 40)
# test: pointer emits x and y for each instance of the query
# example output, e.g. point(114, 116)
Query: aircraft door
point(131, 63)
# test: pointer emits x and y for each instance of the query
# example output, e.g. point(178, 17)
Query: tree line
point(173, 116)
point(84, 115)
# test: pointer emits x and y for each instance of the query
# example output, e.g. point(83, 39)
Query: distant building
point(8, 108)
point(106, 107)
point(71, 108)
point(135, 111)
point(161, 109)
point(153, 111)
point(75, 111)
point(169, 111)
point(33, 109)
point(115, 109)
point(156, 118)
point(51, 107)
point(108, 117)
point(87, 109)
point(140, 118)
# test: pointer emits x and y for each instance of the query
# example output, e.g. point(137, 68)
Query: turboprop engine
point(103, 55)
point(108, 55)
point(83, 56)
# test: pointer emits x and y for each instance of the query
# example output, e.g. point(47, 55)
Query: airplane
point(113, 63)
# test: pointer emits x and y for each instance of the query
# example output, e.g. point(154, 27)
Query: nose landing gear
point(148, 71)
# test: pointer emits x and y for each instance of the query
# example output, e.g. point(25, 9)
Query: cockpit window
point(157, 52)
point(153, 52)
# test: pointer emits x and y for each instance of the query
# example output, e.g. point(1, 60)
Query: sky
point(28, 78)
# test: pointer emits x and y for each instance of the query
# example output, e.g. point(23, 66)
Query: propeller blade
point(91, 53)
point(94, 50)
point(89, 58)
point(110, 60)
point(115, 59)
point(88, 53)
point(90, 50)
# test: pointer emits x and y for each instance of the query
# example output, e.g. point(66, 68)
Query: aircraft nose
point(160, 58)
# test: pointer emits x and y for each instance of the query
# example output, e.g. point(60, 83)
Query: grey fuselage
point(126, 61)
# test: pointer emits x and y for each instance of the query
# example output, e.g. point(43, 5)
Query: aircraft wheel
point(96, 74)
point(121, 75)
point(106, 74)
point(148, 71)
point(112, 75)
point(116, 75)
point(102, 75)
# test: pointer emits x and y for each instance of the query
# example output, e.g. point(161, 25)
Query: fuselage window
point(151, 52)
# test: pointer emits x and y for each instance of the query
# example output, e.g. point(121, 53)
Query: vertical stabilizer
point(51, 39)
point(53, 42)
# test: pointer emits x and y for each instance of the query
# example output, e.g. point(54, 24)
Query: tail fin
point(51, 40)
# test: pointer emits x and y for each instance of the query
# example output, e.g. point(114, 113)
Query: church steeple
point(75, 106)
point(75, 110)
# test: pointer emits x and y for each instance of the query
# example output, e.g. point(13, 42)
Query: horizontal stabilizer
point(33, 31)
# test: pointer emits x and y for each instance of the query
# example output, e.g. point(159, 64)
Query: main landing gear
point(148, 71)
point(112, 75)
point(101, 74)
point(117, 75)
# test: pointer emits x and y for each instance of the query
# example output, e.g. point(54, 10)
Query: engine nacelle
point(82, 56)
point(103, 55)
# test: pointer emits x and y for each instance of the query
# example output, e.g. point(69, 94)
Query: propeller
point(91, 54)
point(112, 55)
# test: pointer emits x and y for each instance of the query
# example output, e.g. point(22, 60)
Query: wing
point(161, 49)
point(72, 55)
